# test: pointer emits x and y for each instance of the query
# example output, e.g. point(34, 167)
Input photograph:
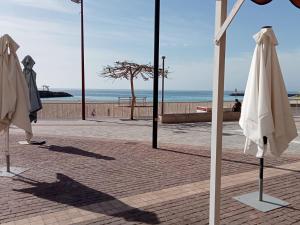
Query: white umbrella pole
point(7, 157)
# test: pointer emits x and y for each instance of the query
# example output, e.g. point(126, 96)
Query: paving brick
point(79, 179)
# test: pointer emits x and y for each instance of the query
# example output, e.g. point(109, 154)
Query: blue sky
point(49, 31)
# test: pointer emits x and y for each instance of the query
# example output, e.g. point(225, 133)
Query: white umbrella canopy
point(14, 97)
point(266, 108)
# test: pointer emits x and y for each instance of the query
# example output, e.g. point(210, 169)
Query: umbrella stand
point(259, 200)
point(9, 171)
point(31, 142)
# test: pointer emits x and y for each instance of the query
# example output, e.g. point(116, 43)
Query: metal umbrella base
point(8, 170)
point(267, 204)
point(259, 200)
point(13, 171)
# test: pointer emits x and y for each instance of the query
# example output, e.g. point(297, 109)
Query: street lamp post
point(156, 73)
point(82, 61)
point(163, 85)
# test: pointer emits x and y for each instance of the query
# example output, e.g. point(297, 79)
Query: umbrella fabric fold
point(30, 76)
point(14, 98)
point(266, 108)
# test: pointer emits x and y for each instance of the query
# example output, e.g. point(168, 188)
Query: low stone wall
point(197, 117)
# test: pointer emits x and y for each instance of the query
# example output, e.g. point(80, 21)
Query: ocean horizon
point(112, 95)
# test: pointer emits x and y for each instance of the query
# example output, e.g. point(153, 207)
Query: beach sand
point(72, 110)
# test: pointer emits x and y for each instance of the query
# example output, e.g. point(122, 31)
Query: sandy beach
point(72, 110)
point(53, 110)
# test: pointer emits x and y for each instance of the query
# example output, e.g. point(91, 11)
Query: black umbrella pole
point(8, 164)
point(156, 74)
point(7, 151)
point(261, 173)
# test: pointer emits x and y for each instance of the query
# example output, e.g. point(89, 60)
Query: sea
point(112, 95)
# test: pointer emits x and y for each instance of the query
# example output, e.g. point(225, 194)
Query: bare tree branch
point(125, 69)
point(130, 71)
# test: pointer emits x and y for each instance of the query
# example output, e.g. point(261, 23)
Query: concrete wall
point(197, 117)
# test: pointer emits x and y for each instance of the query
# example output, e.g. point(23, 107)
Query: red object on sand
point(203, 109)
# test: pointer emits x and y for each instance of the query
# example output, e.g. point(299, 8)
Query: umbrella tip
point(266, 27)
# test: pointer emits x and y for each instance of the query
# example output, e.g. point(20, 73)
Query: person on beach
point(93, 113)
point(237, 106)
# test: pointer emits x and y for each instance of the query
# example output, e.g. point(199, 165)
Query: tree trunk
point(133, 98)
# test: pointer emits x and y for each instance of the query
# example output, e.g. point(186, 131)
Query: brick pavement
point(195, 134)
point(91, 181)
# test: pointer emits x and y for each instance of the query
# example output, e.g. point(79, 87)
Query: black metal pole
point(82, 65)
point(7, 151)
point(8, 163)
point(163, 85)
point(156, 74)
point(261, 173)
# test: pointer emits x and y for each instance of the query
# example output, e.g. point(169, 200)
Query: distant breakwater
point(54, 94)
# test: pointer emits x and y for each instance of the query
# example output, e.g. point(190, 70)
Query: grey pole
point(163, 85)
point(82, 64)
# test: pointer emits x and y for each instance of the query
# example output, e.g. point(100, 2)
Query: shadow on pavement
point(227, 160)
point(186, 126)
point(70, 192)
point(75, 151)
point(125, 122)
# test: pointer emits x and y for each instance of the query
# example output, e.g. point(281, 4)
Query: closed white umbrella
point(14, 103)
point(14, 97)
point(266, 109)
point(266, 116)
point(34, 96)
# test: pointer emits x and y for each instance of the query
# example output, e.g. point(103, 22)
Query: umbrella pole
point(8, 171)
point(261, 178)
point(7, 151)
point(261, 173)
point(262, 202)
